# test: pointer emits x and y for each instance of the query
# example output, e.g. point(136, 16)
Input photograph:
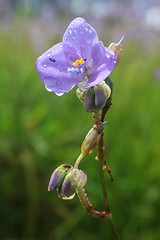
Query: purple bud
point(68, 187)
point(74, 179)
point(57, 177)
point(100, 96)
point(94, 98)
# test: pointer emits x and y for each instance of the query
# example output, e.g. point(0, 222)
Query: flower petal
point(81, 36)
point(104, 62)
point(52, 69)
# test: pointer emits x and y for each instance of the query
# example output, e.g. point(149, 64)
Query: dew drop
point(86, 29)
point(108, 56)
point(115, 61)
point(90, 30)
point(48, 89)
point(44, 65)
point(112, 53)
point(59, 94)
point(70, 31)
point(68, 198)
point(75, 30)
point(49, 54)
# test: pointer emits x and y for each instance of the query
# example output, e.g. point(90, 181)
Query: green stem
point(113, 227)
point(79, 159)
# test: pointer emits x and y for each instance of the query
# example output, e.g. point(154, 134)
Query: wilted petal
point(104, 62)
point(81, 36)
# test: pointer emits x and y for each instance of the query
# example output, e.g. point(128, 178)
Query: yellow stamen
point(77, 62)
point(81, 61)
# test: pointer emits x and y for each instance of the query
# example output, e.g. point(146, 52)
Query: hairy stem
point(88, 206)
point(100, 154)
point(101, 158)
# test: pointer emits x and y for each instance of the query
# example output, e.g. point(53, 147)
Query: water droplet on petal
point(107, 55)
point(49, 54)
point(112, 53)
point(44, 65)
point(90, 30)
point(59, 94)
point(70, 31)
point(69, 198)
point(48, 89)
point(86, 29)
point(75, 30)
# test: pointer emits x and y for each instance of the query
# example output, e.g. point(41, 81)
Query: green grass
point(39, 131)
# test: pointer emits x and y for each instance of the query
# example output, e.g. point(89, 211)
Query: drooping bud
point(58, 176)
point(91, 140)
point(95, 97)
point(117, 49)
point(74, 179)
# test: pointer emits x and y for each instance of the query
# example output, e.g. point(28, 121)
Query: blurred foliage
point(40, 131)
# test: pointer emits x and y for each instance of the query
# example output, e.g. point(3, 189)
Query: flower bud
point(109, 82)
point(74, 179)
point(102, 93)
point(58, 176)
point(91, 140)
point(95, 97)
point(117, 49)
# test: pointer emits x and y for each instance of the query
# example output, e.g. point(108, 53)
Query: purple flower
point(79, 58)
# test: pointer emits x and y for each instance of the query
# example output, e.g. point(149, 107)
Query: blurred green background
point(40, 131)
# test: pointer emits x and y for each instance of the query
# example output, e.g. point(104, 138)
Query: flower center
point(79, 67)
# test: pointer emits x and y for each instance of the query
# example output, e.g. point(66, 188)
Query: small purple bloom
point(79, 58)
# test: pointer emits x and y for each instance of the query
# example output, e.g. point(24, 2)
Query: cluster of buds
point(94, 98)
point(66, 180)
